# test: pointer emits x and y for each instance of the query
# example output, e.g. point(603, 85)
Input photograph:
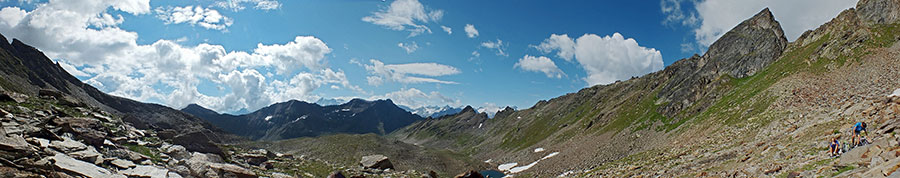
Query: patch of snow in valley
point(488, 161)
point(479, 125)
point(346, 109)
point(896, 93)
point(526, 167)
point(267, 118)
point(538, 150)
point(507, 166)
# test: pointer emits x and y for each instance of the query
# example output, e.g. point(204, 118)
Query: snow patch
point(267, 118)
point(896, 93)
point(488, 161)
point(507, 166)
point(479, 125)
point(346, 109)
point(526, 167)
point(566, 174)
point(538, 150)
point(300, 118)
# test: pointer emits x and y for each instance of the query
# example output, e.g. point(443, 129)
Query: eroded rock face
point(879, 11)
point(376, 162)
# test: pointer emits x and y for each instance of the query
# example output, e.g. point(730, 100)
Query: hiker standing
point(857, 129)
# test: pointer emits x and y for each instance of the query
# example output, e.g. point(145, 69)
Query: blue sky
point(231, 55)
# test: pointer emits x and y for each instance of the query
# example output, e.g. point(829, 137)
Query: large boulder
point(198, 142)
point(178, 152)
point(376, 162)
point(81, 168)
point(90, 130)
point(211, 165)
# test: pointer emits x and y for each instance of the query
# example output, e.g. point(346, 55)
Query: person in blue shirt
point(835, 146)
point(857, 129)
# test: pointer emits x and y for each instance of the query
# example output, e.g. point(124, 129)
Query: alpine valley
point(754, 104)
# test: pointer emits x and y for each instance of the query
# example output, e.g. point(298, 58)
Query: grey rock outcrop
point(879, 11)
point(376, 162)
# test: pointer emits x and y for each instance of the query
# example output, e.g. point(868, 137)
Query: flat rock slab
point(13, 143)
point(82, 168)
point(855, 155)
point(67, 145)
point(121, 163)
point(146, 172)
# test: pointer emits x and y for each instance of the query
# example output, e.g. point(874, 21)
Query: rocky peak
point(744, 50)
point(505, 112)
point(468, 109)
point(194, 108)
point(747, 48)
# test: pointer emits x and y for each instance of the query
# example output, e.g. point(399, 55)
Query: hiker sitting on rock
point(835, 146)
point(857, 129)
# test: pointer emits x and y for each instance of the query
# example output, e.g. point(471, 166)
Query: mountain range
point(294, 119)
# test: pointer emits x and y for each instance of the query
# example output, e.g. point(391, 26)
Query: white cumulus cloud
point(497, 46)
point(539, 64)
point(84, 34)
point(605, 59)
point(409, 47)
point(471, 32)
point(562, 43)
point(415, 98)
point(408, 73)
point(238, 5)
point(447, 29)
point(409, 15)
point(204, 17)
